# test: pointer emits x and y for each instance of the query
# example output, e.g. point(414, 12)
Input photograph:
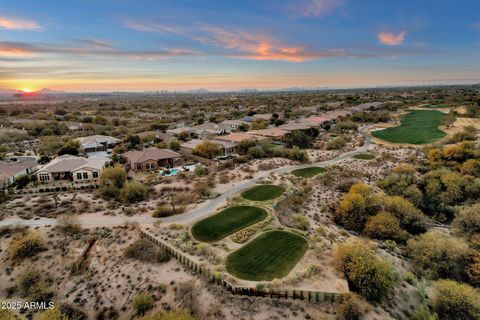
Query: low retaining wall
point(307, 295)
point(59, 188)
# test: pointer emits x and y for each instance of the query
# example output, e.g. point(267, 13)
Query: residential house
point(12, 168)
point(209, 130)
point(97, 143)
point(226, 148)
point(232, 125)
point(152, 159)
point(237, 137)
point(296, 126)
point(72, 168)
point(271, 133)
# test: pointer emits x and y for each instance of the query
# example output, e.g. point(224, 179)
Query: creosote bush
point(26, 245)
point(141, 303)
point(145, 251)
point(456, 301)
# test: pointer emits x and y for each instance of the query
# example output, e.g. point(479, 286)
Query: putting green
point(308, 172)
point(226, 222)
point(417, 127)
point(270, 255)
point(263, 192)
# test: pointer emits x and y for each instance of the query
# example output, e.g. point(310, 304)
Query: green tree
point(207, 149)
point(132, 192)
point(384, 226)
point(298, 139)
point(456, 301)
point(70, 147)
point(467, 222)
point(439, 255)
point(367, 274)
point(112, 180)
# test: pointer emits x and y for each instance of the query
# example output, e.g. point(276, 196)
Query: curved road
point(95, 220)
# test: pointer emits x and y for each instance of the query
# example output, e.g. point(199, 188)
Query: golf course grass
point(417, 127)
point(364, 156)
point(308, 172)
point(270, 255)
point(263, 192)
point(226, 222)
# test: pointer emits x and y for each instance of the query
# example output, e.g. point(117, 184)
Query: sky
point(137, 45)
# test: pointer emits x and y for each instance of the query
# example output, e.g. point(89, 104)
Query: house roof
point(191, 144)
point(150, 154)
point(96, 141)
point(292, 126)
point(10, 167)
point(69, 163)
point(240, 136)
point(270, 132)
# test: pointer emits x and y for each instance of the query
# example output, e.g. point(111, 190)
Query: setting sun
point(26, 90)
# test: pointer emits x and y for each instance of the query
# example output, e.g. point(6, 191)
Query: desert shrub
point(146, 251)
point(133, 192)
point(384, 226)
point(188, 293)
point(169, 315)
point(467, 222)
point(349, 308)
point(207, 149)
point(8, 315)
point(27, 280)
point(26, 245)
point(336, 143)
point(367, 274)
point(423, 313)
point(69, 224)
point(301, 222)
point(439, 255)
point(411, 218)
point(471, 167)
point(298, 139)
point(141, 303)
point(51, 314)
point(163, 211)
point(456, 301)
point(351, 212)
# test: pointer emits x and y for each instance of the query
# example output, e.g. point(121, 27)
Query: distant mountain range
point(44, 91)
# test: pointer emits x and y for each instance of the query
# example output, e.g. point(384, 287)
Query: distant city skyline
point(229, 45)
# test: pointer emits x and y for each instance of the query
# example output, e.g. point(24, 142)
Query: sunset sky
point(105, 45)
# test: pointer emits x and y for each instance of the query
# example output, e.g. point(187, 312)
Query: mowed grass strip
point(270, 255)
point(364, 156)
point(417, 127)
point(308, 172)
point(263, 192)
point(226, 222)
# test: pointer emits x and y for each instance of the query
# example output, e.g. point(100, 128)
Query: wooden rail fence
point(308, 295)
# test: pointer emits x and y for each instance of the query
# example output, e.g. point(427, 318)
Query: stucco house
point(72, 168)
point(97, 143)
point(151, 159)
point(12, 168)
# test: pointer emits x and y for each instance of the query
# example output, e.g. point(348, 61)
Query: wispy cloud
point(96, 48)
point(12, 23)
point(242, 44)
point(391, 39)
point(315, 8)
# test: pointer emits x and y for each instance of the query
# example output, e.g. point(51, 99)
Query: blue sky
point(143, 45)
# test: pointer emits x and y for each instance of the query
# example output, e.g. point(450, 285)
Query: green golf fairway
point(263, 192)
point(417, 127)
point(270, 255)
point(308, 172)
point(226, 222)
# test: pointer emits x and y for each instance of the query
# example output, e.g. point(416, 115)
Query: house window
point(138, 167)
point(85, 175)
point(79, 176)
point(44, 177)
point(95, 174)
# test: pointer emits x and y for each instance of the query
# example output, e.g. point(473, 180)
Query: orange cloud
point(391, 39)
point(10, 49)
point(18, 24)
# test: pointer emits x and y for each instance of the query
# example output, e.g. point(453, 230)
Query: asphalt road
point(96, 220)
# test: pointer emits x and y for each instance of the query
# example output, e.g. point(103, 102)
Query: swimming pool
point(169, 173)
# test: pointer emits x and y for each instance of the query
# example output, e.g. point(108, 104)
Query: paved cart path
point(206, 208)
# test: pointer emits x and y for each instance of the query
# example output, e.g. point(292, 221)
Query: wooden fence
point(308, 295)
